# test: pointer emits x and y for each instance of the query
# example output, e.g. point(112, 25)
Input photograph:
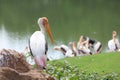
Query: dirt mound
point(13, 66)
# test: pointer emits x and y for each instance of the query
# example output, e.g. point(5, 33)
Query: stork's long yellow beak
point(49, 33)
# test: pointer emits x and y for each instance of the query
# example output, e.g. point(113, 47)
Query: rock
point(14, 60)
point(13, 66)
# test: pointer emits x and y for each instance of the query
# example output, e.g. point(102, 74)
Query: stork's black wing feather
point(30, 48)
point(46, 47)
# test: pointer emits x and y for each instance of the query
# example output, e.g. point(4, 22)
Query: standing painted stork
point(114, 44)
point(38, 45)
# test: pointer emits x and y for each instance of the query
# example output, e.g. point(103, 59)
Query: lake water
point(68, 20)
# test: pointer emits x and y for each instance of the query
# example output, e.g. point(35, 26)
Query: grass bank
point(99, 63)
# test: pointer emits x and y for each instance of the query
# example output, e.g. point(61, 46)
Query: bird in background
point(114, 44)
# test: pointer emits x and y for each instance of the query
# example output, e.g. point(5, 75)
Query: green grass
point(99, 63)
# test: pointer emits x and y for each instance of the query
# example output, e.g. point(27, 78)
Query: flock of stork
point(88, 46)
point(38, 46)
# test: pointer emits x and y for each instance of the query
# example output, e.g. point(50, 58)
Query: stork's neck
point(42, 28)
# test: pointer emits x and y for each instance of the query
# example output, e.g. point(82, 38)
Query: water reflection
point(12, 40)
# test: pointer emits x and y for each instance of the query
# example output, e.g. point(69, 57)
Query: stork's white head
point(44, 25)
point(42, 21)
point(114, 34)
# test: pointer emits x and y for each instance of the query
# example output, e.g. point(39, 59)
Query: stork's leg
point(40, 62)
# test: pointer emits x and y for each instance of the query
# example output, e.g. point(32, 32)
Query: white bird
point(114, 44)
point(65, 50)
point(38, 45)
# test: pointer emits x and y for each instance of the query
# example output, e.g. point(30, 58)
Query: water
point(68, 20)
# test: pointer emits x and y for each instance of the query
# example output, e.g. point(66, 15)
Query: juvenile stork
point(38, 45)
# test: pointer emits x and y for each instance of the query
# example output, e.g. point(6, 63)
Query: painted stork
point(83, 46)
point(114, 44)
point(38, 45)
point(67, 51)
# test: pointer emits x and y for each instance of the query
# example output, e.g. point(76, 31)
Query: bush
point(65, 71)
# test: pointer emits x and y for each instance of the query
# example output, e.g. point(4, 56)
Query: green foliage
point(104, 62)
point(93, 67)
point(66, 71)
